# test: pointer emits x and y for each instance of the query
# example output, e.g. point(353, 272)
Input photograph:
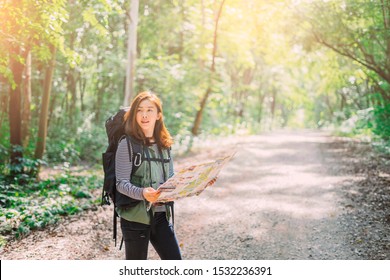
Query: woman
point(146, 220)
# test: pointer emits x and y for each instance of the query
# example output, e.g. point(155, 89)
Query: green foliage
point(27, 207)
point(359, 124)
point(32, 25)
point(62, 150)
point(4, 144)
point(23, 172)
point(370, 122)
point(381, 126)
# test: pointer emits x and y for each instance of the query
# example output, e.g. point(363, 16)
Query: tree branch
point(370, 64)
point(386, 19)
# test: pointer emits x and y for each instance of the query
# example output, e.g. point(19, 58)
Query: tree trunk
point(343, 102)
point(82, 85)
point(261, 106)
point(71, 89)
point(273, 106)
point(386, 23)
point(199, 114)
point(71, 82)
point(329, 105)
point(15, 103)
point(201, 61)
point(26, 112)
point(180, 50)
point(42, 130)
point(100, 89)
point(3, 100)
point(131, 52)
point(52, 106)
point(99, 101)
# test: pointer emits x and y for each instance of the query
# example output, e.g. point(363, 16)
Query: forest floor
point(285, 195)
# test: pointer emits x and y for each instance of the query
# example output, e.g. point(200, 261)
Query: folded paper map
point(191, 180)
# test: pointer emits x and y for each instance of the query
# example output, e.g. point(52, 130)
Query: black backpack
point(115, 133)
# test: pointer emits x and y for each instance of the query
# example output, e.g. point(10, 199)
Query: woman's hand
point(151, 194)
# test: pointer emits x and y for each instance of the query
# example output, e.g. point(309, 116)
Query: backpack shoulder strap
point(135, 154)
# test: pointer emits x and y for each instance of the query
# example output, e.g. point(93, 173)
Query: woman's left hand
point(151, 194)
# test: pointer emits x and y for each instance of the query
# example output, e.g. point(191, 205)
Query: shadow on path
point(281, 197)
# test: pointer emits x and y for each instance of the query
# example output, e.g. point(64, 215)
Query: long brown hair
point(161, 134)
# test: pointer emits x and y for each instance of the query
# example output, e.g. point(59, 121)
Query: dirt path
point(285, 195)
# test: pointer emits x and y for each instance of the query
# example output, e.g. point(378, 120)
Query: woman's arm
point(123, 168)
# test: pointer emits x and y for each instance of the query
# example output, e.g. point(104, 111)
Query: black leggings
point(136, 237)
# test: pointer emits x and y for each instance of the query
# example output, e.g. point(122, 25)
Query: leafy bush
point(92, 143)
point(22, 172)
point(62, 149)
point(359, 123)
point(86, 144)
point(382, 121)
point(40, 203)
point(372, 122)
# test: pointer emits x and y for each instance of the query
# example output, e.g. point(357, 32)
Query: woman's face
point(146, 116)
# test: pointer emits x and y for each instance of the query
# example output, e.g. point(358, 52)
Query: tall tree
point(131, 52)
point(202, 105)
point(15, 103)
point(359, 30)
point(26, 112)
point(15, 52)
point(3, 100)
point(26, 26)
point(42, 129)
